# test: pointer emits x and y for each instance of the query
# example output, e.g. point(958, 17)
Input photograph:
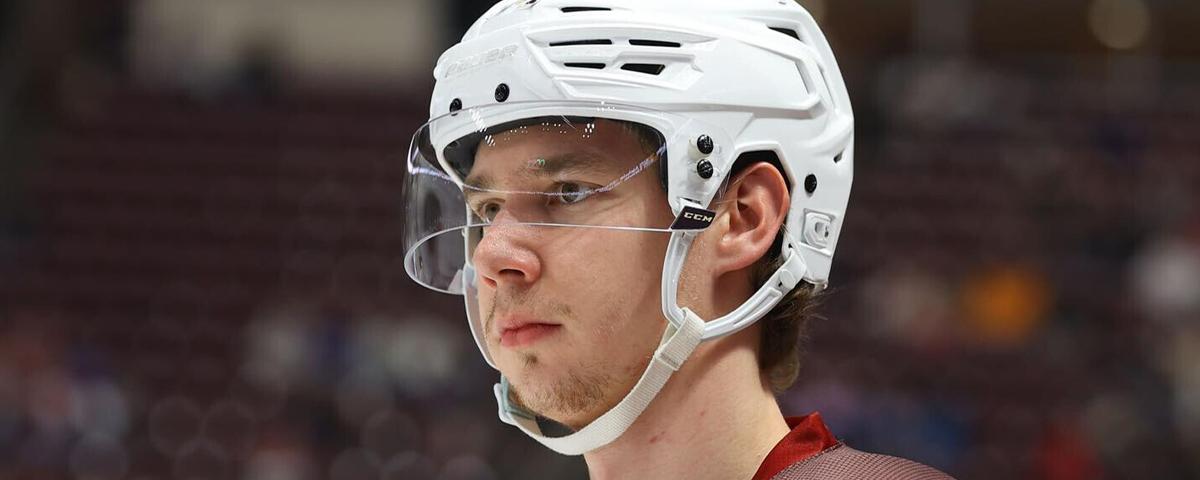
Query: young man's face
point(571, 315)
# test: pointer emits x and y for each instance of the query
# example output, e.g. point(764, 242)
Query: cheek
point(621, 264)
point(695, 277)
point(614, 284)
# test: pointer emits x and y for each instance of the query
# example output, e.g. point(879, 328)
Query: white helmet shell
point(733, 64)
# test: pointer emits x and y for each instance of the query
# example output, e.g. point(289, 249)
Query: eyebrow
point(572, 162)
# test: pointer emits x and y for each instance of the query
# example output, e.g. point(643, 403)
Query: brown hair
point(785, 328)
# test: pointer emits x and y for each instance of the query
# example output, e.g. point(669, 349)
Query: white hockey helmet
point(702, 82)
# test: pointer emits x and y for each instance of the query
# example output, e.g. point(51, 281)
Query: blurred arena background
point(201, 275)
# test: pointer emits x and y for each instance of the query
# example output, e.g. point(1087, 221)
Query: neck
point(714, 419)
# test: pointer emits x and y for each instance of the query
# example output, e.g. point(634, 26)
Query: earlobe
point(757, 203)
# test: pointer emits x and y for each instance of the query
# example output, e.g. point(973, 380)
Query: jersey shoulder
point(845, 463)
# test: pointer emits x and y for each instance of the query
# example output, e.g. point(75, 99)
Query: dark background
point(201, 273)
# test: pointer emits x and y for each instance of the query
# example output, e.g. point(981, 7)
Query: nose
point(504, 256)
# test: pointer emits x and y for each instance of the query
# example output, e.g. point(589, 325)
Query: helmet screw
point(455, 105)
point(704, 144)
point(810, 184)
point(704, 169)
point(502, 92)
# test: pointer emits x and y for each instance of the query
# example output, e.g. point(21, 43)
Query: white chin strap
point(684, 333)
point(678, 344)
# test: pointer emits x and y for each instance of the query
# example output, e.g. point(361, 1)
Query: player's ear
point(753, 209)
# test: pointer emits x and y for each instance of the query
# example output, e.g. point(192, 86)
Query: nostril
point(512, 271)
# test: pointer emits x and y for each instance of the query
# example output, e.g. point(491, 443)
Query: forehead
point(550, 145)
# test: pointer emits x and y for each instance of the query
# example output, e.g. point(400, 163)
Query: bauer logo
point(692, 218)
point(479, 60)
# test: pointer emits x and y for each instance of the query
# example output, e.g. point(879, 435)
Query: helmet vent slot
point(585, 9)
point(647, 68)
point(654, 43)
point(786, 31)
point(594, 66)
point(572, 43)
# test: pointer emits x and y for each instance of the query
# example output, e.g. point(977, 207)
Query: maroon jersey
point(810, 452)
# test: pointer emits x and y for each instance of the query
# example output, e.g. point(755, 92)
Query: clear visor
point(531, 169)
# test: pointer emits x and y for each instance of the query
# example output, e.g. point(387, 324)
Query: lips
point(519, 333)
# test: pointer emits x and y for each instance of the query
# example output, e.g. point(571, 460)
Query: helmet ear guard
point(553, 59)
point(768, 295)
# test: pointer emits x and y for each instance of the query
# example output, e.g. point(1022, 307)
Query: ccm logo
point(692, 218)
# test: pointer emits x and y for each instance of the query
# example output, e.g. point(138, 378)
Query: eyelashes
point(564, 193)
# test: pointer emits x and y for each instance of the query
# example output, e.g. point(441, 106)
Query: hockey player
point(638, 201)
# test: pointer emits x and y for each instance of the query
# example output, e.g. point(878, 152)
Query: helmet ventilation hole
point(592, 41)
point(647, 68)
point(585, 9)
point(786, 31)
point(654, 43)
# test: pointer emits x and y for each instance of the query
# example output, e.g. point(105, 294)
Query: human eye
point(486, 209)
point(570, 193)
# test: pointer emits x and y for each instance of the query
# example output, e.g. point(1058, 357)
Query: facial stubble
point(576, 392)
